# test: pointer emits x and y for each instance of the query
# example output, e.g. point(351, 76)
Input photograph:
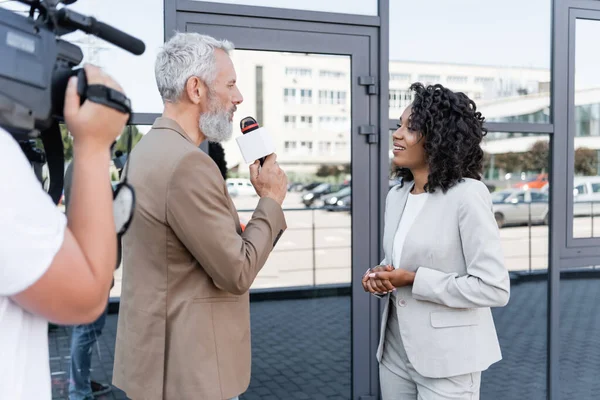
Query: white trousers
point(400, 381)
point(413, 386)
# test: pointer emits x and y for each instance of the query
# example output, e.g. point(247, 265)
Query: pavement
point(301, 348)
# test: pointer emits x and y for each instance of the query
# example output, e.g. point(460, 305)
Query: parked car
point(240, 187)
point(302, 187)
point(323, 189)
point(586, 194)
point(511, 207)
point(344, 202)
point(331, 200)
point(536, 182)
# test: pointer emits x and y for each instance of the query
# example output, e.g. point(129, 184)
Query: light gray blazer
point(454, 246)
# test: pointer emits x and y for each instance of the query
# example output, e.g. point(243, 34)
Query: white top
point(31, 233)
point(413, 206)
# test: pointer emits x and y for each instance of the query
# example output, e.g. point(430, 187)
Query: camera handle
point(55, 157)
point(52, 138)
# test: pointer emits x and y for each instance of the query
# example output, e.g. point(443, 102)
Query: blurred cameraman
point(51, 270)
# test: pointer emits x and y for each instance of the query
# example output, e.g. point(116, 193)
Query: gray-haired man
point(184, 320)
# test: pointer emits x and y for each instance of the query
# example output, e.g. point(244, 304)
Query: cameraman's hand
point(92, 124)
point(269, 180)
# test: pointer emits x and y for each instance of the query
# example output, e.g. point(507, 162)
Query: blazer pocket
point(451, 318)
point(229, 299)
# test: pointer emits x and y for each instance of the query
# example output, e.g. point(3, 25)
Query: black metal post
point(314, 256)
point(529, 237)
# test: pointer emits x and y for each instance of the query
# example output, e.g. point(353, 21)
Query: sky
point(485, 32)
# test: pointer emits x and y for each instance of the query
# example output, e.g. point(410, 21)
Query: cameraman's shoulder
point(12, 160)
point(7, 142)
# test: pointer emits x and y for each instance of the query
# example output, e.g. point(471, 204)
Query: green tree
point(325, 170)
point(510, 162)
point(586, 161)
point(122, 141)
point(67, 140)
point(537, 157)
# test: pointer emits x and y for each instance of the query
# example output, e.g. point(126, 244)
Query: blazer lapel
point(394, 214)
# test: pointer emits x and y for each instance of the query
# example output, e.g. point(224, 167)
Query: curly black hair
point(453, 130)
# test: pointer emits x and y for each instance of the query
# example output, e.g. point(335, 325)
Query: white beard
point(216, 125)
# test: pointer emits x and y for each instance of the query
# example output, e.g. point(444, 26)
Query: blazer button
point(402, 303)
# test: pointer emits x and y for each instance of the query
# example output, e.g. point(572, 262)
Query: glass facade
point(460, 47)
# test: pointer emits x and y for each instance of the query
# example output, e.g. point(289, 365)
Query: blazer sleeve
point(198, 211)
point(384, 261)
point(487, 282)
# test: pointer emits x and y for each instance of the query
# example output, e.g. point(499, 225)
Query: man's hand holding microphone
point(266, 176)
point(269, 180)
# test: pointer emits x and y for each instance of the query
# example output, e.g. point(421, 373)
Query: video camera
point(35, 66)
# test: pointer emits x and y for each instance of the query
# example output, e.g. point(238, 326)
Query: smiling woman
point(437, 148)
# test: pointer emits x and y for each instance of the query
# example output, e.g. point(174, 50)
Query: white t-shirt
point(413, 206)
point(31, 233)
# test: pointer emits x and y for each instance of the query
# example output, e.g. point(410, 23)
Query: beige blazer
point(184, 320)
point(454, 245)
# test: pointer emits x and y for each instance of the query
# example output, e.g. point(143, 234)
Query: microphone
point(248, 125)
point(255, 142)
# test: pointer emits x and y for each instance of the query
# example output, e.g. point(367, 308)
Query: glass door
point(311, 86)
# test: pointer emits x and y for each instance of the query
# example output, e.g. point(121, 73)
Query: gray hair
point(183, 56)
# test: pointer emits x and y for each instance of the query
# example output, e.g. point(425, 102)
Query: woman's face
point(408, 145)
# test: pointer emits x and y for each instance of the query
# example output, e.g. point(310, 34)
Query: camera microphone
point(255, 142)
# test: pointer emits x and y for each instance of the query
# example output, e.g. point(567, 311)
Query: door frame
point(575, 252)
point(271, 29)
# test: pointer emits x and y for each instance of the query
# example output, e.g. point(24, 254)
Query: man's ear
point(195, 90)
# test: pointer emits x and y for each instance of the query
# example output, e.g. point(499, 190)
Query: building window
point(289, 95)
point(340, 147)
point(429, 78)
point(324, 147)
point(289, 146)
point(305, 96)
point(400, 99)
point(298, 72)
point(306, 148)
point(289, 121)
point(331, 74)
point(306, 121)
point(334, 124)
point(483, 80)
point(322, 96)
point(457, 79)
point(332, 97)
point(399, 77)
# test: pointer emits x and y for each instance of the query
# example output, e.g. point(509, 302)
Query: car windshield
point(344, 192)
point(321, 187)
point(500, 197)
